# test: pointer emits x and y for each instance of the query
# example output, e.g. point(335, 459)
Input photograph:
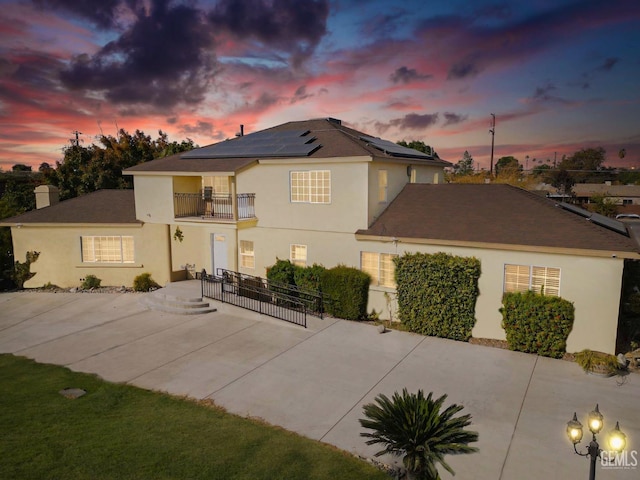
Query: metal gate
point(285, 302)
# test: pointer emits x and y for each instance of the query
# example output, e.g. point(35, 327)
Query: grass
point(121, 432)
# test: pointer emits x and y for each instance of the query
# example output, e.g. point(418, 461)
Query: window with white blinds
point(247, 255)
point(520, 278)
point(107, 249)
point(298, 255)
point(380, 266)
point(312, 186)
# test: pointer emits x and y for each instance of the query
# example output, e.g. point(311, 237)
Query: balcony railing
point(213, 206)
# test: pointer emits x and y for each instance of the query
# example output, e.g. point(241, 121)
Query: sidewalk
point(314, 381)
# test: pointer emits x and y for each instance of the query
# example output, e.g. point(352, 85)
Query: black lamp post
point(617, 439)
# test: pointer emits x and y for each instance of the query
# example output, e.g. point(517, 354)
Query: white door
point(218, 252)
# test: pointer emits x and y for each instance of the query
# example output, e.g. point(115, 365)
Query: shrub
point(309, 279)
point(536, 323)
point(90, 281)
point(348, 291)
point(22, 271)
point(597, 362)
point(283, 271)
point(437, 293)
point(144, 283)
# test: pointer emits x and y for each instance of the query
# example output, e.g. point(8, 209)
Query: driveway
point(315, 381)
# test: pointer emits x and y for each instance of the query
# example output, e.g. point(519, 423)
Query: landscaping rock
point(72, 393)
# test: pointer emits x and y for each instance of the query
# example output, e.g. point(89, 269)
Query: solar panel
point(287, 143)
point(393, 148)
point(574, 209)
point(596, 218)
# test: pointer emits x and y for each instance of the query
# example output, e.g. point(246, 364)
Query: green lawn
point(122, 432)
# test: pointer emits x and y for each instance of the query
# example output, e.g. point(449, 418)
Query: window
point(627, 201)
point(312, 186)
point(380, 266)
point(520, 278)
point(298, 255)
point(107, 249)
point(218, 185)
point(247, 255)
point(382, 185)
point(413, 175)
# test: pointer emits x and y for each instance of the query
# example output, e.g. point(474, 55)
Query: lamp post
point(617, 439)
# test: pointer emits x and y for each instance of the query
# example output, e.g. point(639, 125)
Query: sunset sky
point(559, 75)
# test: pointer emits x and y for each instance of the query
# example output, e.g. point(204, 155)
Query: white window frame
point(295, 254)
point(383, 186)
point(521, 278)
point(247, 254)
point(118, 249)
point(380, 266)
point(310, 186)
point(220, 185)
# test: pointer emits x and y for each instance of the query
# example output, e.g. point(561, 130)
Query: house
point(317, 191)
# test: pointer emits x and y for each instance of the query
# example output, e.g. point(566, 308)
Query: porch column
point(234, 199)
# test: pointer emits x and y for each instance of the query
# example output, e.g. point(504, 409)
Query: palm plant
point(413, 426)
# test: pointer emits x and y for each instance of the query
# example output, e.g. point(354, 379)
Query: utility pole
point(77, 138)
point(493, 135)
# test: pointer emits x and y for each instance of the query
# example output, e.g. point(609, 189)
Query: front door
point(218, 252)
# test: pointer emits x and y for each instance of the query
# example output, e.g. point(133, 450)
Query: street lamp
point(617, 439)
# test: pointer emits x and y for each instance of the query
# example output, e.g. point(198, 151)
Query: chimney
point(46, 195)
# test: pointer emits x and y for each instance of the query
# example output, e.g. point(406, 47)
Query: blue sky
point(559, 75)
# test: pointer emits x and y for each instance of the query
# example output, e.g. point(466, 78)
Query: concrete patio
point(314, 381)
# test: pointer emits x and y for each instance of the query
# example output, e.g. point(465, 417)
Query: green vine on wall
point(437, 293)
point(178, 235)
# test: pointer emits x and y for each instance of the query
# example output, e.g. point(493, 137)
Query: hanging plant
point(178, 235)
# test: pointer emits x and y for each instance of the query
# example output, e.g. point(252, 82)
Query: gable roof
point(101, 207)
point(491, 214)
point(328, 136)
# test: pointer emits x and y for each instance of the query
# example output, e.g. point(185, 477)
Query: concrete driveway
point(314, 381)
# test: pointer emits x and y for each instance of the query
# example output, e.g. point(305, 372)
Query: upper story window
point(380, 266)
point(298, 255)
point(520, 278)
point(382, 185)
point(112, 249)
point(216, 185)
point(311, 186)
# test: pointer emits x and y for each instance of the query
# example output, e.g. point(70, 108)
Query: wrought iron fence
point(210, 205)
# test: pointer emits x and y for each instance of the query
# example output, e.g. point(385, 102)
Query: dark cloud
point(608, 64)
point(383, 25)
point(463, 69)
point(101, 13)
point(406, 75)
point(411, 121)
point(200, 128)
point(265, 100)
point(301, 94)
point(453, 118)
point(291, 26)
point(161, 60)
point(544, 94)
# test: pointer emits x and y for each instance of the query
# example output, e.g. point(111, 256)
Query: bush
point(536, 323)
point(597, 362)
point(22, 271)
point(309, 279)
point(437, 293)
point(144, 283)
point(90, 281)
point(348, 291)
point(282, 272)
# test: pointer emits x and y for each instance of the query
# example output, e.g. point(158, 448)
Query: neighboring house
point(623, 195)
point(319, 192)
point(523, 242)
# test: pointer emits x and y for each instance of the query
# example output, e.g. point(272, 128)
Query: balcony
point(209, 206)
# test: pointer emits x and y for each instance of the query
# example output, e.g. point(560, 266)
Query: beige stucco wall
point(154, 198)
point(593, 284)
point(60, 261)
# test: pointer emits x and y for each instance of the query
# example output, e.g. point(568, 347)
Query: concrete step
point(184, 305)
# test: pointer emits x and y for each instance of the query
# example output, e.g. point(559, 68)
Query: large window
point(298, 255)
point(217, 185)
point(312, 186)
point(247, 255)
point(382, 185)
point(113, 249)
point(520, 278)
point(380, 266)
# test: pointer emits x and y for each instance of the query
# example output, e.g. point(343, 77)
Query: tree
point(563, 181)
point(21, 167)
point(604, 205)
point(465, 165)
point(420, 146)
point(508, 166)
point(540, 170)
point(415, 427)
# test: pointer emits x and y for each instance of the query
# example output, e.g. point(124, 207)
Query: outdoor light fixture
point(617, 439)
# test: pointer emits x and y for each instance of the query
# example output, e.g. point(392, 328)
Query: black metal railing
point(210, 205)
point(282, 301)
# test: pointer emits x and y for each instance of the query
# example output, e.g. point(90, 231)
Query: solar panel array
point(393, 148)
point(596, 218)
point(287, 143)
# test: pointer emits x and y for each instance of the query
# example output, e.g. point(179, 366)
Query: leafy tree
point(20, 167)
point(420, 146)
point(563, 181)
point(585, 159)
point(604, 205)
point(541, 170)
point(415, 427)
point(629, 177)
point(465, 165)
point(508, 166)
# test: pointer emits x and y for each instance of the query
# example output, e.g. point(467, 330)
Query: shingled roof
point(101, 207)
point(334, 140)
point(492, 214)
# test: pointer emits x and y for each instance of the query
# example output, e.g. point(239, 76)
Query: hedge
point(348, 291)
point(536, 323)
point(437, 293)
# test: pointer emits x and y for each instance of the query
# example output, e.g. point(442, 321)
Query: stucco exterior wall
point(154, 198)
point(593, 284)
point(195, 249)
point(60, 261)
